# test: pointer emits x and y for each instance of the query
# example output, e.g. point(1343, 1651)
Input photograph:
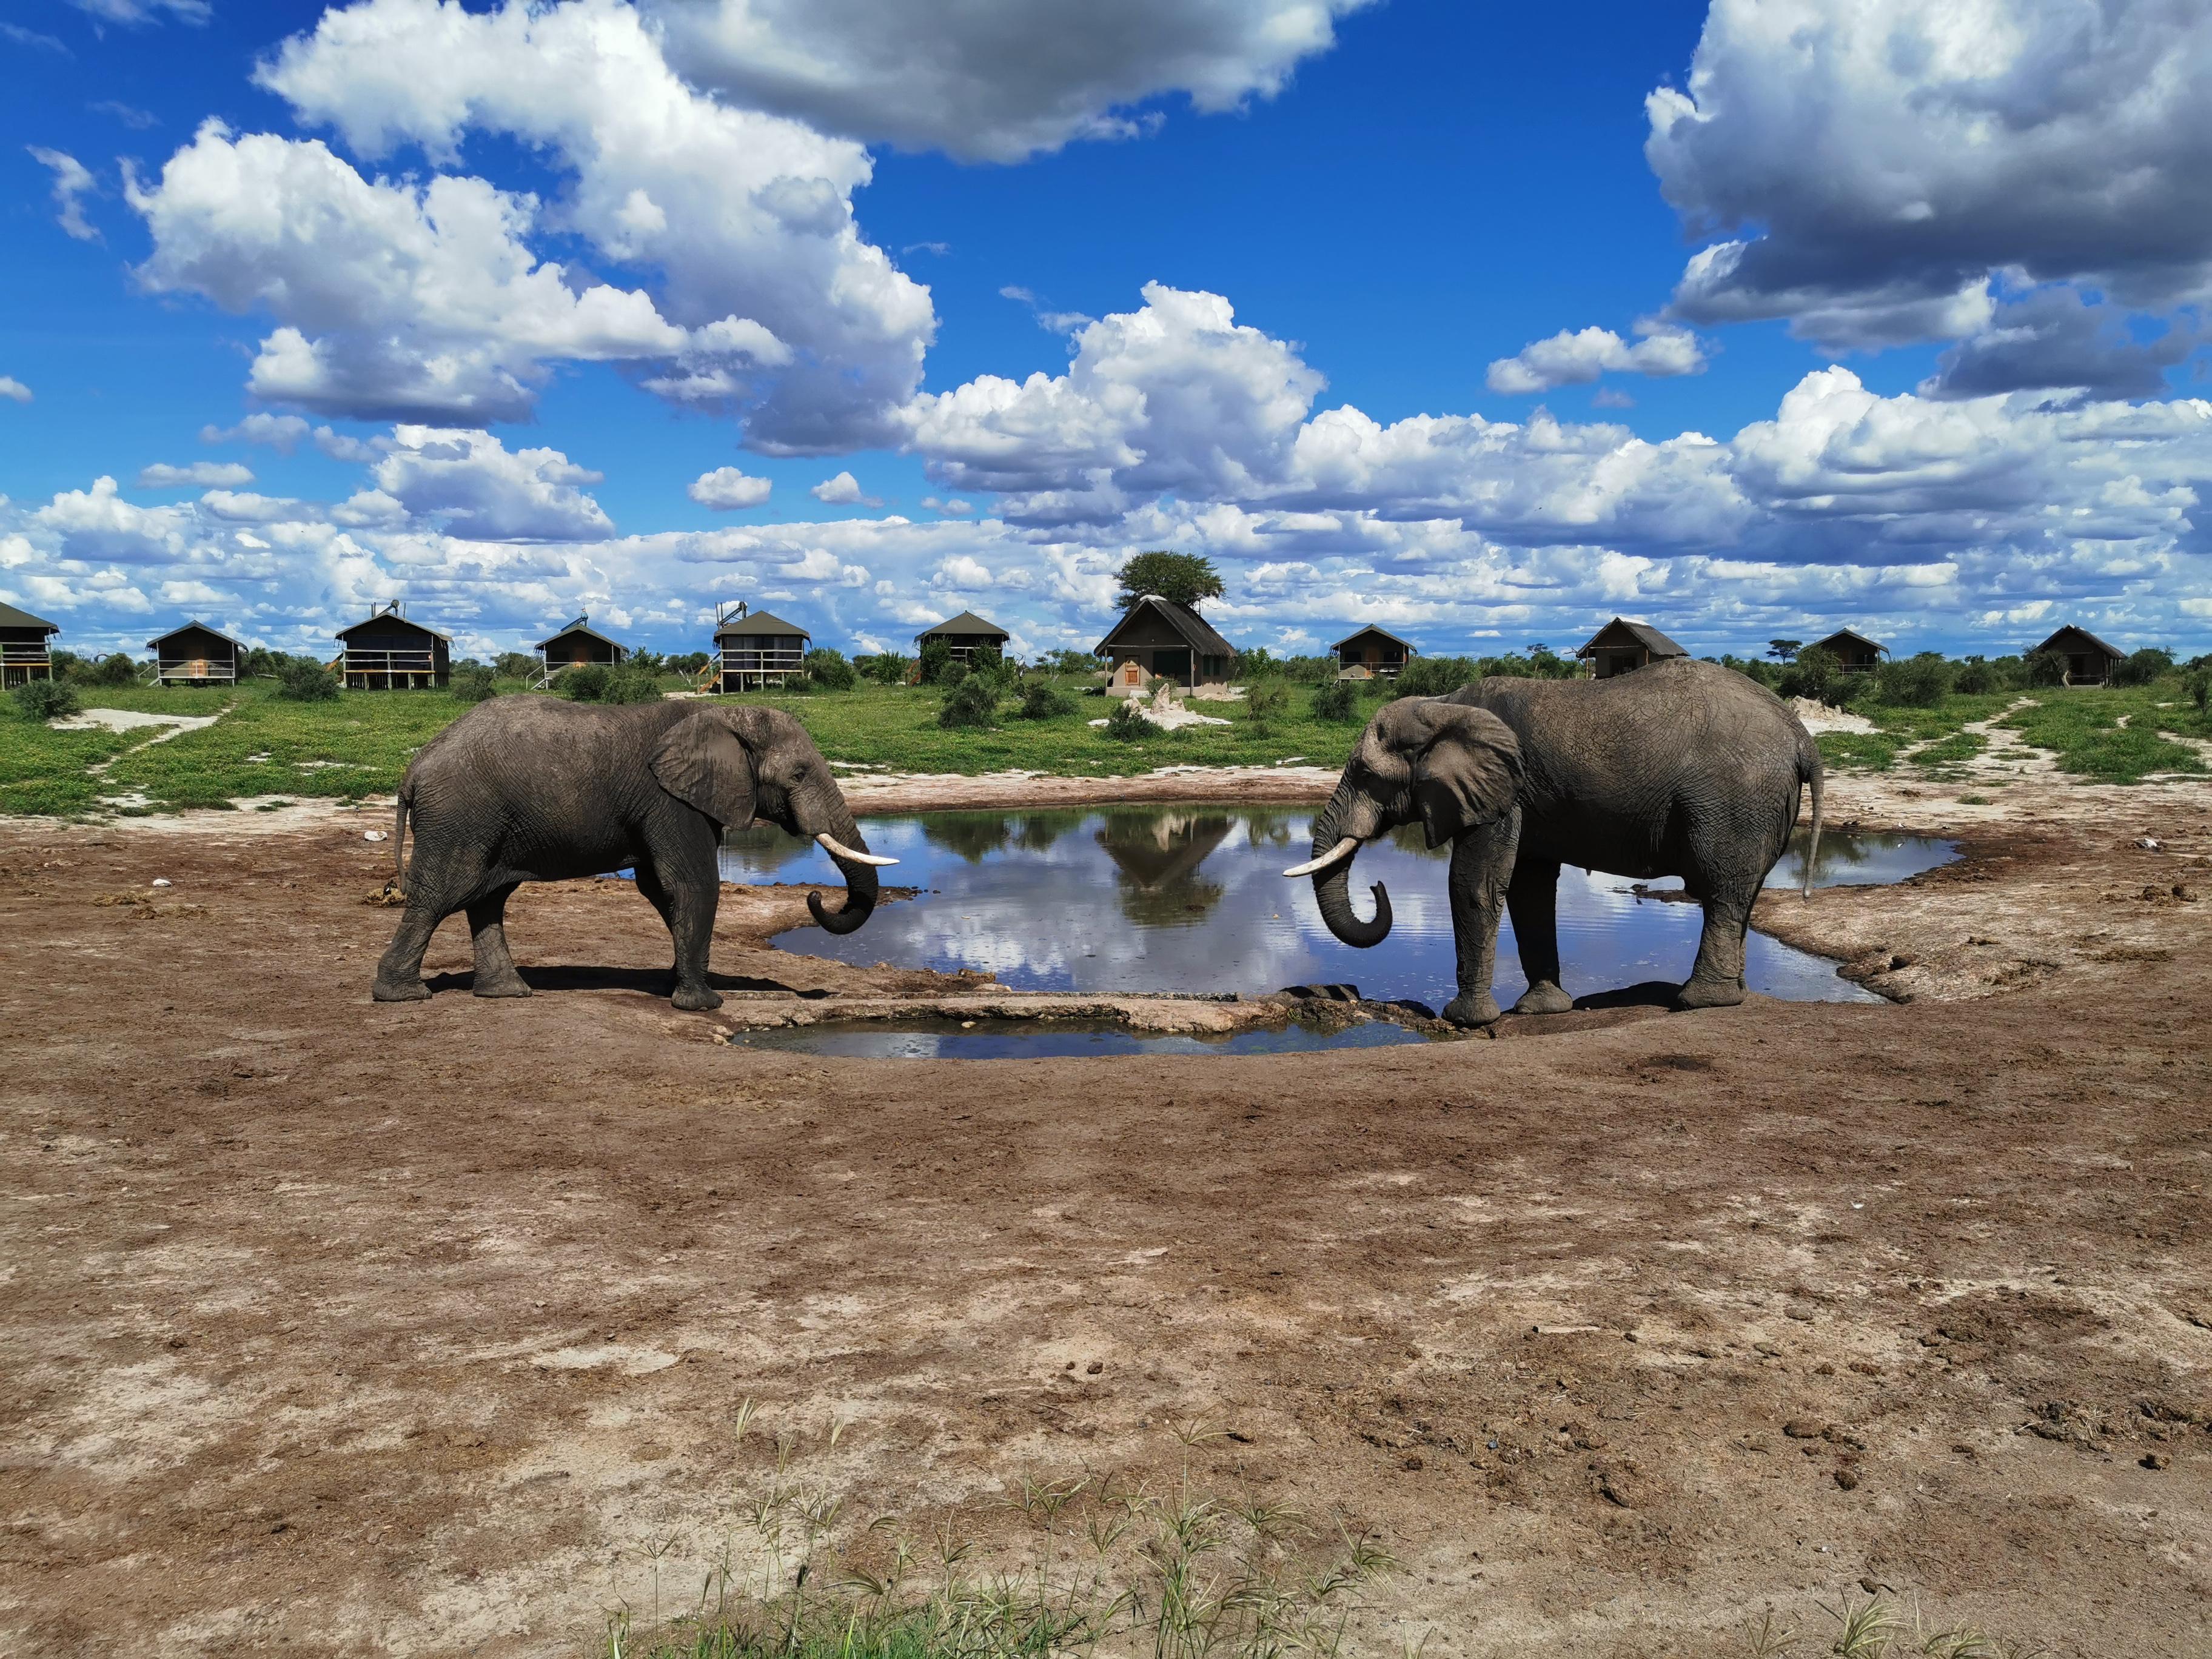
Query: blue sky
point(1486, 324)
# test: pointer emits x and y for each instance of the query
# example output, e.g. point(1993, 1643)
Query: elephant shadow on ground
point(651, 981)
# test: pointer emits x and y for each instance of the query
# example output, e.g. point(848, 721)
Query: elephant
point(1680, 767)
point(525, 788)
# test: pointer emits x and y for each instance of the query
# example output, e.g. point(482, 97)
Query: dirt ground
point(332, 1327)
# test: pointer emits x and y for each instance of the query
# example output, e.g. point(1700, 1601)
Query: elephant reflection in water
point(1155, 862)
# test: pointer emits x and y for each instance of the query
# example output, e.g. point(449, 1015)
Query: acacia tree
point(1186, 578)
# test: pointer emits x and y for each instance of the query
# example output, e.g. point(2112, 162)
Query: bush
point(2196, 685)
point(114, 669)
point(1267, 702)
point(1069, 662)
point(516, 665)
point(587, 683)
point(885, 667)
point(302, 679)
point(689, 664)
point(2143, 667)
point(1336, 702)
point(1432, 677)
point(1921, 682)
point(471, 682)
point(1257, 665)
point(631, 682)
point(830, 671)
point(45, 700)
point(1043, 701)
point(936, 662)
point(2043, 668)
point(973, 702)
point(1126, 725)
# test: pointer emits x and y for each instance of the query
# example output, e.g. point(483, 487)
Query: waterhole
point(1191, 898)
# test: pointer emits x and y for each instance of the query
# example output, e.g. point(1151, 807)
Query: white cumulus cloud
point(198, 474)
point(14, 390)
point(843, 491)
point(1577, 359)
point(475, 486)
point(727, 488)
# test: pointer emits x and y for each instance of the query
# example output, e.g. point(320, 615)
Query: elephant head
point(1452, 767)
point(737, 764)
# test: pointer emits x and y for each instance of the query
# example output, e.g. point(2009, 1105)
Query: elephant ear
point(702, 764)
point(1466, 765)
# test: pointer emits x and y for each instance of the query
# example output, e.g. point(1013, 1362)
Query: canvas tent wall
point(757, 650)
point(195, 654)
point(24, 654)
point(1371, 653)
point(386, 652)
point(2089, 660)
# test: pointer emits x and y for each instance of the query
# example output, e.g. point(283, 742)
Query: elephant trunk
point(859, 878)
point(1349, 814)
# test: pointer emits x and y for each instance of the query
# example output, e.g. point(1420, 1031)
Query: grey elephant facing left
point(528, 788)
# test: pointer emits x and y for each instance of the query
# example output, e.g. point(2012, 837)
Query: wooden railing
point(199, 671)
point(393, 668)
point(775, 663)
point(22, 663)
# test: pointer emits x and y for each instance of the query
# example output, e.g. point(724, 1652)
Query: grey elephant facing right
point(1682, 769)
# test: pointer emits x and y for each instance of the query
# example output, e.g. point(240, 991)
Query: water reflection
point(1021, 1039)
point(1183, 898)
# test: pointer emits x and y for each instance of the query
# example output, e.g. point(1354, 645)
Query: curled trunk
point(859, 878)
point(1348, 813)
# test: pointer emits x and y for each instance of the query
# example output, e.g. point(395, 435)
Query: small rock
point(1801, 1428)
point(2157, 1460)
point(1846, 1479)
point(372, 834)
point(1094, 1368)
point(1413, 1462)
point(160, 881)
point(1903, 959)
point(2149, 843)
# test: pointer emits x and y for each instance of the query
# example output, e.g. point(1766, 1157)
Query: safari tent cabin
point(1857, 653)
point(2089, 660)
point(1371, 653)
point(195, 654)
point(964, 634)
point(759, 650)
point(577, 645)
point(24, 654)
point(388, 653)
point(1163, 640)
point(1622, 646)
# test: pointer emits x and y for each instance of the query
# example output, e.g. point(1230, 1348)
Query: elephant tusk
point(837, 849)
point(1336, 854)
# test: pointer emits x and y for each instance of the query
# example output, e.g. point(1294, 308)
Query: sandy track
point(335, 1327)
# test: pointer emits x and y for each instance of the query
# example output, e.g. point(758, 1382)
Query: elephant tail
point(1811, 770)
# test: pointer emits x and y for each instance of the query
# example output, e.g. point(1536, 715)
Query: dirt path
point(346, 1328)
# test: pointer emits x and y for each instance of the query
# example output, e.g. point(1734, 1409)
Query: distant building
point(24, 654)
point(964, 635)
point(577, 645)
point(1157, 639)
point(756, 650)
point(1370, 654)
point(1857, 653)
point(388, 653)
point(195, 654)
point(2089, 660)
point(1622, 646)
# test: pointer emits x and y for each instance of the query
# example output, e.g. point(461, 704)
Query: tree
point(1784, 650)
point(1183, 577)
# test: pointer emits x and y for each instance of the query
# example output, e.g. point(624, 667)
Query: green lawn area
point(359, 744)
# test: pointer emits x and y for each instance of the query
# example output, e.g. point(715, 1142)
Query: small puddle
point(1029, 1039)
point(1191, 898)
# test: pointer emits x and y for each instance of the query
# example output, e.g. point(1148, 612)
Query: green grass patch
point(1958, 748)
point(1862, 751)
point(2081, 725)
point(43, 770)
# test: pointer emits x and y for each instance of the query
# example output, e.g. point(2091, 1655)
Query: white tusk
point(1336, 854)
point(838, 849)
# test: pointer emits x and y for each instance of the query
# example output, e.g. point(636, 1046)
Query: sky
point(1482, 323)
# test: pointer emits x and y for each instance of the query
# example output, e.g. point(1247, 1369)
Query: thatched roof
point(11, 617)
point(1642, 634)
point(1196, 631)
point(759, 621)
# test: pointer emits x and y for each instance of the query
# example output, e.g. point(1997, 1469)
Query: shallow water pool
point(1191, 898)
point(1031, 1039)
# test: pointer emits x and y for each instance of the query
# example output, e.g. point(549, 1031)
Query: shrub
point(2045, 668)
point(885, 667)
point(974, 701)
point(2142, 667)
point(1126, 725)
point(1069, 662)
point(2196, 685)
point(1043, 701)
point(1973, 677)
point(1257, 665)
point(631, 682)
point(689, 664)
point(114, 669)
point(302, 679)
point(587, 683)
point(1818, 674)
point(1921, 682)
point(937, 660)
point(1432, 677)
point(1267, 702)
point(1336, 702)
point(830, 671)
point(45, 700)
point(471, 682)
point(516, 665)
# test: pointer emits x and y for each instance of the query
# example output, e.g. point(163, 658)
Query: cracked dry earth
point(333, 1328)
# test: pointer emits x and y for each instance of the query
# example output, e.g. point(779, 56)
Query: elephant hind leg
point(399, 970)
point(680, 879)
point(1717, 978)
point(495, 973)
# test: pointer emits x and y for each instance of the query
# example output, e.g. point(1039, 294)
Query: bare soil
point(332, 1327)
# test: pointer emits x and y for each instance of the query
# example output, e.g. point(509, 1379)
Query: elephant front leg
point(1717, 978)
point(1481, 862)
point(1533, 901)
point(495, 973)
point(691, 920)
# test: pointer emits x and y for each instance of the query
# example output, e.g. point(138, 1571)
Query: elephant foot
point(695, 999)
point(1709, 994)
point(1544, 997)
point(508, 984)
point(1471, 1008)
point(400, 990)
